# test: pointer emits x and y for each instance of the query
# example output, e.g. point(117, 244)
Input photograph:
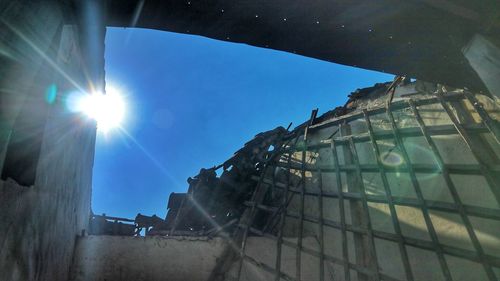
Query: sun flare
point(108, 110)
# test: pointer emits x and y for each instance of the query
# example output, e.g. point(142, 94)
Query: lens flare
point(108, 109)
point(391, 159)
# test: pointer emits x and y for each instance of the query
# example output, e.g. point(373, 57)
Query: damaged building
point(335, 198)
point(400, 183)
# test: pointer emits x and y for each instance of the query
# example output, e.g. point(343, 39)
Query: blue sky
point(192, 102)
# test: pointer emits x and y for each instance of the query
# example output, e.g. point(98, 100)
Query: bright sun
point(107, 109)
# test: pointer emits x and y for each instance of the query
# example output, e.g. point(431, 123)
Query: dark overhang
point(421, 39)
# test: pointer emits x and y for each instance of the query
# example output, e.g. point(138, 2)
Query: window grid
point(372, 270)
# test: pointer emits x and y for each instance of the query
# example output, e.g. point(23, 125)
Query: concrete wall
point(484, 57)
point(42, 60)
point(119, 258)
point(44, 57)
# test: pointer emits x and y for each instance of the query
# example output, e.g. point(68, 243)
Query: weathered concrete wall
point(119, 258)
point(42, 60)
point(484, 56)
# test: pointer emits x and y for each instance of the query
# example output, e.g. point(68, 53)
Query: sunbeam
point(43, 55)
point(107, 109)
point(151, 157)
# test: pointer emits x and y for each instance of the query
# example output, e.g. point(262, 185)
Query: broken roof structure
point(376, 189)
point(400, 183)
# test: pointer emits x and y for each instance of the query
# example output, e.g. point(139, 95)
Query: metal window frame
point(487, 126)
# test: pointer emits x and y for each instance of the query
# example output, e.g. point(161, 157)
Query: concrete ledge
point(123, 258)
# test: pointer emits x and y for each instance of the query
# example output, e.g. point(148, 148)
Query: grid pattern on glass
point(377, 231)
